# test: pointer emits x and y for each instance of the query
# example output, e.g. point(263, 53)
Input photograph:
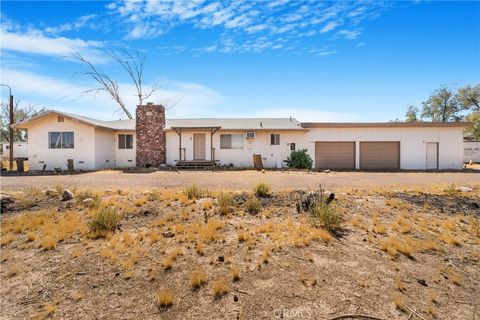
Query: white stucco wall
point(104, 148)
point(471, 151)
point(273, 155)
point(20, 149)
point(412, 143)
point(39, 152)
point(125, 158)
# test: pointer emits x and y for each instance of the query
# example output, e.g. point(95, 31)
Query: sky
point(316, 61)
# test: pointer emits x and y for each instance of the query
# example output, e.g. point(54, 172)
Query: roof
point(240, 123)
point(419, 124)
point(224, 123)
point(237, 123)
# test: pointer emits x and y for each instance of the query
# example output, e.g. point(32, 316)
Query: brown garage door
point(375, 155)
point(335, 155)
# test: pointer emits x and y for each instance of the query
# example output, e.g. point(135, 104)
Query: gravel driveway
point(243, 180)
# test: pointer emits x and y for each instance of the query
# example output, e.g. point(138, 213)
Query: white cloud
point(348, 34)
point(244, 20)
point(330, 26)
point(191, 99)
point(36, 42)
point(76, 25)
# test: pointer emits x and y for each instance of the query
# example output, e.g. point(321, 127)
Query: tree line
point(447, 105)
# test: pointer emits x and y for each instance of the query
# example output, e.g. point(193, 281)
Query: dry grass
point(235, 273)
point(220, 288)
point(104, 220)
point(262, 189)
point(195, 192)
point(165, 299)
point(252, 205)
point(199, 278)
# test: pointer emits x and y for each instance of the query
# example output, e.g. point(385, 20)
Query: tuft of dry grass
point(31, 236)
point(220, 288)
point(252, 205)
point(399, 303)
point(199, 278)
point(48, 242)
point(200, 248)
point(243, 236)
point(105, 220)
point(235, 272)
point(164, 299)
point(262, 189)
point(195, 192)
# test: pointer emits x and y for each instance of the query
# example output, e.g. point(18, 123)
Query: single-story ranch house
point(152, 140)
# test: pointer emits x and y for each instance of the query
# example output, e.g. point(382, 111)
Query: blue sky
point(317, 61)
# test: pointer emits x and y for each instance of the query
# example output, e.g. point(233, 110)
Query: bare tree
point(20, 113)
point(133, 64)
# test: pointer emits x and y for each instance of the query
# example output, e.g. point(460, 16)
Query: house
point(153, 140)
point(20, 149)
point(471, 151)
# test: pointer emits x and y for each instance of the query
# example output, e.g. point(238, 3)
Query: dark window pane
point(275, 139)
point(129, 141)
point(67, 140)
point(225, 141)
point(292, 146)
point(54, 140)
point(121, 141)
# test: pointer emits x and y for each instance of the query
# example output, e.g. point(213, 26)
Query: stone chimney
point(151, 140)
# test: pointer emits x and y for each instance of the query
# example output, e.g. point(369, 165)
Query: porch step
point(199, 164)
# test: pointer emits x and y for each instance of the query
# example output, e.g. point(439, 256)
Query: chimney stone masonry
point(151, 140)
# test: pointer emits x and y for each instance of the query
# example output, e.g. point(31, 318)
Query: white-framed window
point(275, 139)
point(125, 141)
point(61, 140)
point(231, 141)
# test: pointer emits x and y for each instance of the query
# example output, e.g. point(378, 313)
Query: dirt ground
point(243, 180)
point(395, 255)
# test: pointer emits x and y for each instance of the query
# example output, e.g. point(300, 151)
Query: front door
point(199, 146)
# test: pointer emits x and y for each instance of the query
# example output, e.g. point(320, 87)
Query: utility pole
point(10, 129)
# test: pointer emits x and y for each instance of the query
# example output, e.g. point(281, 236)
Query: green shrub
point(299, 160)
point(195, 192)
point(327, 215)
point(105, 220)
point(262, 189)
point(252, 205)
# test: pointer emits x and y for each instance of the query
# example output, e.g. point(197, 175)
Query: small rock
point(168, 234)
point(422, 282)
point(464, 189)
point(67, 195)
point(327, 171)
point(88, 202)
point(5, 200)
point(235, 298)
point(51, 193)
point(263, 170)
point(221, 258)
point(147, 193)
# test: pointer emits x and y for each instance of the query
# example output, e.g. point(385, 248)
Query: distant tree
point(132, 63)
point(469, 97)
point(20, 113)
point(442, 105)
point(473, 131)
point(412, 114)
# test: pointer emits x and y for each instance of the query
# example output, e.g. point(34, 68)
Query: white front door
point(199, 146)
point(432, 155)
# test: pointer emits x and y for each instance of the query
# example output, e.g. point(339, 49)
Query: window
point(231, 141)
point(61, 119)
point(292, 146)
point(274, 139)
point(125, 141)
point(61, 140)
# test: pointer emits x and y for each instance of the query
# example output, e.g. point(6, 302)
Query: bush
point(299, 160)
point(327, 215)
point(262, 189)
point(105, 220)
point(225, 202)
point(252, 206)
point(195, 192)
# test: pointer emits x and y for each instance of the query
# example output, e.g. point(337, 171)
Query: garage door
point(335, 155)
point(380, 155)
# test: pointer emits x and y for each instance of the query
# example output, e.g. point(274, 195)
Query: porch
point(193, 153)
